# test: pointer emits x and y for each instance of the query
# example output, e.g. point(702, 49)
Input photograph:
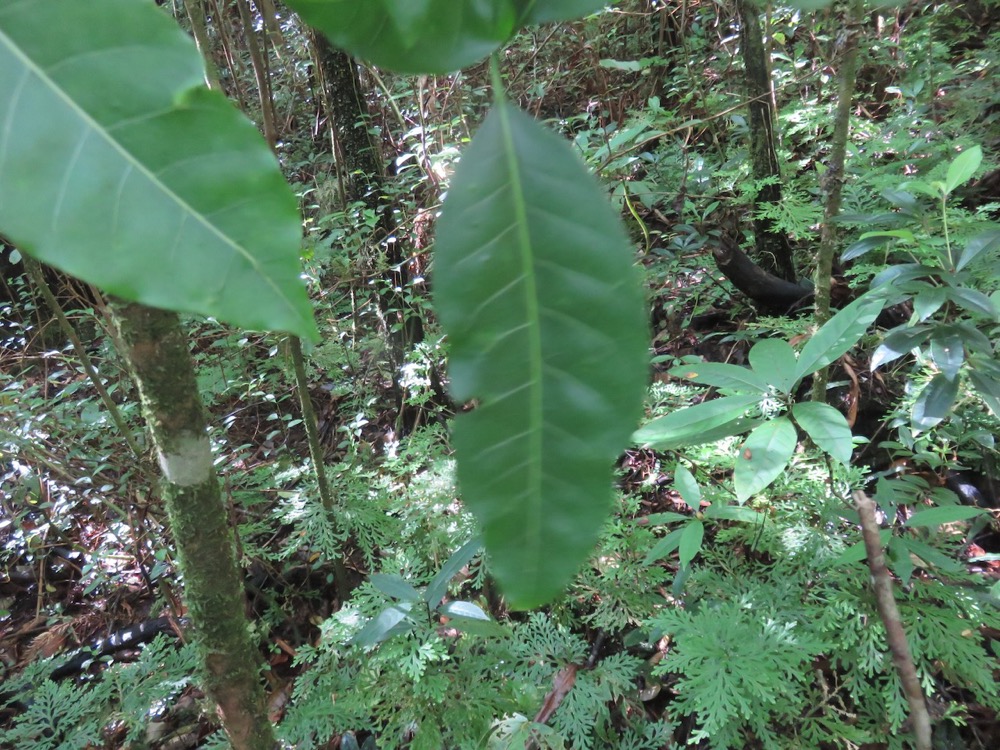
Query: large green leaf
point(838, 334)
point(117, 167)
point(827, 428)
point(722, 375)
point(697, 424)
point(763, 456)
point(774, 360)
point(537, 291)
point(430, 36)
point(415, 36)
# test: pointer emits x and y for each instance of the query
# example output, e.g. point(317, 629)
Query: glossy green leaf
point(438, 587)
point(973, 300)
point(932, 557)
point(542, 11)
point(934, 402)
point(947, 351)
point(118, 168)
point(687, 486)
point(395, 587)
point(414, 36)
point(537, 291)
point(774, 361)
point(963, 167)
point(688, 426)
point(763, 456)
point(838, 335)
point(942, 515)
point(899, 560)
point(717, 512)
point(827, 427)
point(664, 547)
point(689, 544)
point(899, 341)
point(988, 389)
point(721, 375)
point(928, 301)
point(985, 242)
point(387, 623)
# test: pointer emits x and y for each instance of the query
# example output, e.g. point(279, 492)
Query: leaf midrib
point(137, 164)
point(532, 307)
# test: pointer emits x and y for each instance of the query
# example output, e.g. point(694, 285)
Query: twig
point(889, 613)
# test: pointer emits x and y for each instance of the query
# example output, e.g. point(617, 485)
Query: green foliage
point(161, 193)
point(535, 305)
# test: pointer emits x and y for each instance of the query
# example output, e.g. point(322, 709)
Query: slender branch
point(889, 614)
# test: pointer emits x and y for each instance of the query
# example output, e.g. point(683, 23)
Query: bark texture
point(156, 351)
point(774, 252)
point(769, 292)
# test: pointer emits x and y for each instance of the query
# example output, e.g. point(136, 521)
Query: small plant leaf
point(537, 291)
point(900, 561)
point(438, 587)
point(838, 335)
point(987, 241)
point(687, 426)
point(119, 167)
point(665, 546)
point(857, 552)
point(928, 301)
point(774, 361)
point(763, 456)
point(721, 375)
point(947, 351)
point(719, 512)
point(963, 167)
point(389, 622)
point(687, 486)
point(827, 427)
point(942, 515)
point(931, 556)
point(690, 542)
point(395, 587)
point(973, 300)
point(898, 342)
point(934, 402)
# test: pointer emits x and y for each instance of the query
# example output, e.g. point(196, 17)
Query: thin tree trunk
point(260, 74)
point(365, 173)
point(774, 252)
point(156, 351)
point(196, 15)
point(889, 614)
point(833, 180)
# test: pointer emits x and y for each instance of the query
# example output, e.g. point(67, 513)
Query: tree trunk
point(774, 252)
point(156, 350)
point(260, 71)
point(833, 180)
point(362, 164)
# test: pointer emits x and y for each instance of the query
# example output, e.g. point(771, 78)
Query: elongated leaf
point(838, 334)
point(538, 294)
point(942, 515)
point(117, 167)
point(415, 36)
point(690, 542)
point(774, 361)
point(687, 486)
point(972, 300)
point(688, 426)
point(389, 622)
point(928, 301)
point(664, 547)
point(899, 560)
point(857, 552)
point(719, 512)
point(963, 167)
point(722, 376)
point(395, 587)
point(932, 557)
point(899, 341)
point(763, 456)
point(461, 557)
point(947, 351)
point(987, 241)
point(827, 428)
point(934, 402)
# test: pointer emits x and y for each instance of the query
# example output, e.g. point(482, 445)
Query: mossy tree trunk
point(774, 252)
point(362, 165)
point(833, 179)
point(156, 351)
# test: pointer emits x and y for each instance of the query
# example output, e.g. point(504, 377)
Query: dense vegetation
point(820, 259)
